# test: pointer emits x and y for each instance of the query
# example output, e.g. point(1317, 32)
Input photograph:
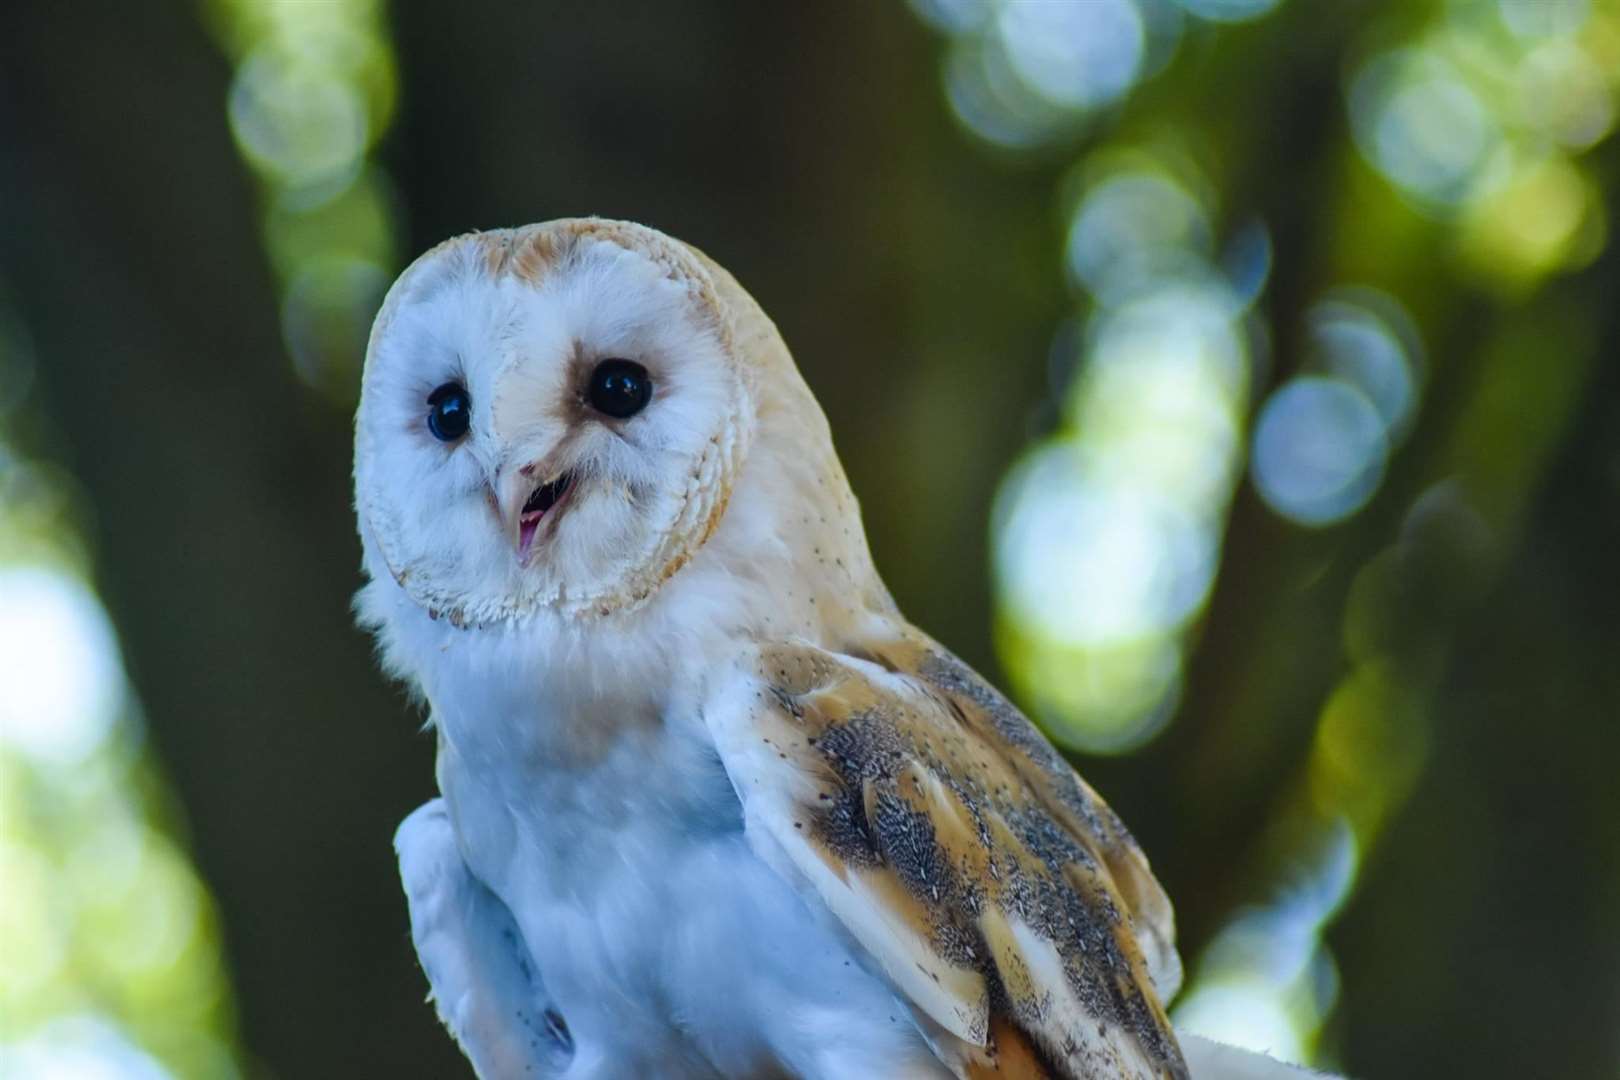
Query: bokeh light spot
point(1565, 95)
point(1422, 125)
point(144, 929)
point(1364, 339)
point(1265, 982)
point(59, 665)
point(1107, 699)
point(1247, 261)
point(1078, 55)
point(993, 102)
point(1084, 563)
point(1191, 320)
point(1545, 218)
point(80, 1048)
point(1370, 744)
point(1247, 1013)
point(1544, 18)
point(1228, 10)
point(1158, 408)
point(299, 121)
point(1319, 450)
point(1132, 228)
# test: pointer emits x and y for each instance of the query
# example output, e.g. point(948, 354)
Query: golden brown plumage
point(994, 888)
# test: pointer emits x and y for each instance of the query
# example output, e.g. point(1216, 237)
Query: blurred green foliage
point(1233, 379)
point(1465, 132)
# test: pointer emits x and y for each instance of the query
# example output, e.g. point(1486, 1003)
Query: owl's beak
point(529, 500)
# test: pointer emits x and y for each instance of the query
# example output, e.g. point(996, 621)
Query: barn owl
point(709, 805)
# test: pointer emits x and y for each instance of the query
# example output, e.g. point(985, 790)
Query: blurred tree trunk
point(219, 500)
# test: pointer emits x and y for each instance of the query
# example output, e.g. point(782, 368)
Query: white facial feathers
point(520, 320)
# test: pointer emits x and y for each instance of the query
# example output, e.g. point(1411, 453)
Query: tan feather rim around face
point(533, 255)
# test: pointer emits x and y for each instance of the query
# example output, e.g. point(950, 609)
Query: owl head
point(552, 419)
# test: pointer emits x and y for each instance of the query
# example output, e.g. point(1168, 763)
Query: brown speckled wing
point(995, 889)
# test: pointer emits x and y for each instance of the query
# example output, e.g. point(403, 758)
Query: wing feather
point(996, 891)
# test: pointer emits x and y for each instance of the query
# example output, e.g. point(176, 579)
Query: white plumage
point(710, 806)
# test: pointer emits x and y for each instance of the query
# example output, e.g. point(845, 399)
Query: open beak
point(535, 481)
point(530, 503)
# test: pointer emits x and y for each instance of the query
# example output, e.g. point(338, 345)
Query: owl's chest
point(605, 856)
point(554, 797)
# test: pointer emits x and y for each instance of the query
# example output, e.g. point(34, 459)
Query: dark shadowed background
point(1235, 381)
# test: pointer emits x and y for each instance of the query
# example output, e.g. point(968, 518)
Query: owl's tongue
point(544, 498)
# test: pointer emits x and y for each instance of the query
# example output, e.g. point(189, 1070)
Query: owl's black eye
point(619, 388)
point(449, 412)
